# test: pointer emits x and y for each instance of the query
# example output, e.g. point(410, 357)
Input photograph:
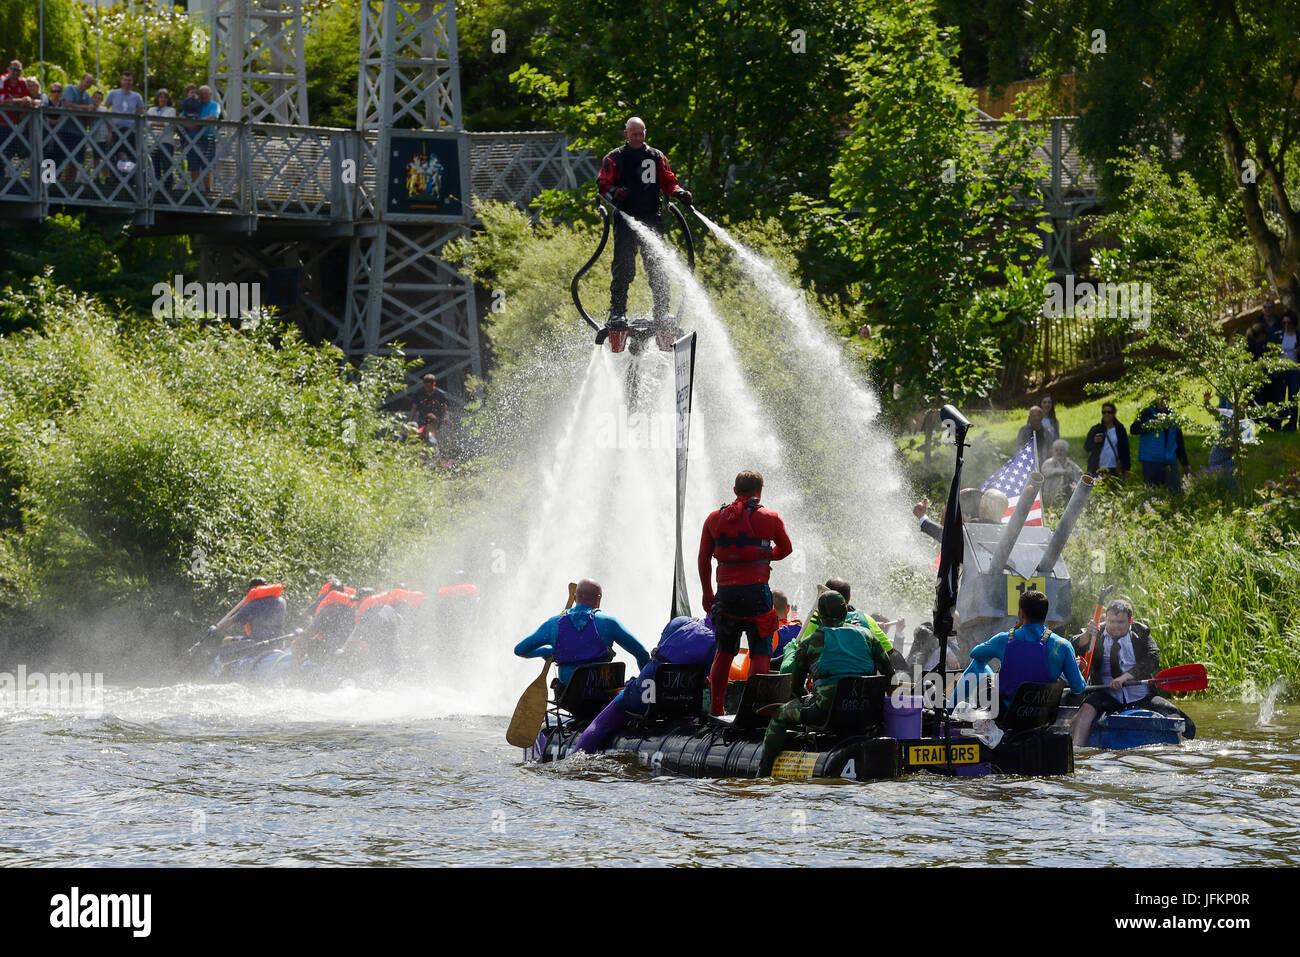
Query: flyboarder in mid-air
point(632, 177)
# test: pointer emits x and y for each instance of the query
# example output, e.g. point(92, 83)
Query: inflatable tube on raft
point(694, 749)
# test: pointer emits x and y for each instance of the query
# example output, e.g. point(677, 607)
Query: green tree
point(96, 257)
point(747, 97)
point(1214, 87)
point(923, 219)
point(65, 36)
point(178, 47)
point(332, 55)
point(1188, 246)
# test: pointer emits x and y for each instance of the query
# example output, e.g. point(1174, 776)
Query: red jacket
point(745, 541)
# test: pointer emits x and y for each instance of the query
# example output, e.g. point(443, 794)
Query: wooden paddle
point(530, 712)
point(1181, 678)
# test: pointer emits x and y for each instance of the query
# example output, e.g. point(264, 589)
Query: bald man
point(632, 178)
point(582, 635)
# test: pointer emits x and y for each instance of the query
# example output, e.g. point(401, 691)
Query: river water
point(231, 775)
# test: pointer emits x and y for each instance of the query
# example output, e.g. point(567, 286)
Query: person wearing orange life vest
point(744, 538)
point(332, 616)
point(259, 616)
point(374, 633)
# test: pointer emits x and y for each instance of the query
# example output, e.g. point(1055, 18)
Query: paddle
point(1181, 678)
point(1085, 663)
point(530, 712)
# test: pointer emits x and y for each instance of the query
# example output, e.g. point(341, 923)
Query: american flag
point(1011, 479)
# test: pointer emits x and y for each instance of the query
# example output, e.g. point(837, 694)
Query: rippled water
point(196, 775)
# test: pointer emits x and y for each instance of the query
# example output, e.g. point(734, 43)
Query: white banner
point(684, 368)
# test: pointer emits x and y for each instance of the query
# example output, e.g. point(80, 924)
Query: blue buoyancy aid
point(576, 645)
point(691, 643)
point(1023, 661)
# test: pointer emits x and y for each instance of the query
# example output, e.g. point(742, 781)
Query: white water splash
point(1268, 704)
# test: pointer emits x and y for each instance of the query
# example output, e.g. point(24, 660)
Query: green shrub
point(144, 460)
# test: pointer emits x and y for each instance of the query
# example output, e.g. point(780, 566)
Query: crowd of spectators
point(94, 148)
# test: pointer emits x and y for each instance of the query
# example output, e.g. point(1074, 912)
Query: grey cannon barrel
point(1072, 512)
point(1012, 531)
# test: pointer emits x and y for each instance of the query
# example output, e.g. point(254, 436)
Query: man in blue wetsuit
point(582, 635)
point(1029, 652)
point(684, 641)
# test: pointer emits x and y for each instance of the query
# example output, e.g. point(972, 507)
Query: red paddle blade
point(1183, 678)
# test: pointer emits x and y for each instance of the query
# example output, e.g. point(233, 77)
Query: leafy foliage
point(1214, 88)
point(96, 257)
point(923, 219)
point(1187, 245)
point(158, 466)
point(745, 97)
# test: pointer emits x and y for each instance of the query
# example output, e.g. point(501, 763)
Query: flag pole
point(951, 551)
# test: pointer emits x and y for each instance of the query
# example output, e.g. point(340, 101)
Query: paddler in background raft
point(836, 649)
point(582, 635)
point(1126, 653)
point(684, 641)
point(332, 615)
point(745, 538)
point(260, 615)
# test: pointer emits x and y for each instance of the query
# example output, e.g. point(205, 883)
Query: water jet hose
point(602, 202)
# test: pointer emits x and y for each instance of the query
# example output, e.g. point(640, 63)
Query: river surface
point(230, 775)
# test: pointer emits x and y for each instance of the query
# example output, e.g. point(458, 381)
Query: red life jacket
point(412, 598)
point(254, 594)
point(337, 597)
point(374, 601)
point(263, 591)
point(464, 589)
point(738, 544)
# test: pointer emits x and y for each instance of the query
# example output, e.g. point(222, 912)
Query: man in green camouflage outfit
point(837, 649)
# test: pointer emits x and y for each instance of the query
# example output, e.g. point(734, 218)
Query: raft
point(1131, 728)
point(674, 736)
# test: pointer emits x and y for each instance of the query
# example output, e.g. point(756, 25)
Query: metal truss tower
point(409, 114)
point(256, 61)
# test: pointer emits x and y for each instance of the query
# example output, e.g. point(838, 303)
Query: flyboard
point(635, 334)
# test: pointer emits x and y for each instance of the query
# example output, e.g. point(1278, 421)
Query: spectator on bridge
point(74, 133)
point(1033, 429)
point(125, 102)
point(161, 137)
point(1291, 376)
point(189, 132)
point(13, 89)
point(209, 109)
point(1050, 422)
point(1160, 449)
point(1060, 475)
point(430, 401)
point(55, 146)
point(1107, 445)
point(34, 92)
